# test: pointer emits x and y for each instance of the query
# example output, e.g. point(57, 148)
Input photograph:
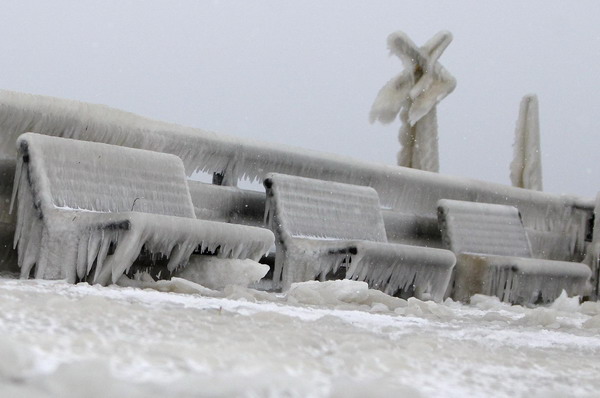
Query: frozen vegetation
point(321, 339)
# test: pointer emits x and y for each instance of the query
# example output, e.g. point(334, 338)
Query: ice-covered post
point(414, 94)
point(592, 257)
point(526, 167)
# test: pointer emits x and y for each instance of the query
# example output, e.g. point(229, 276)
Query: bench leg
point(57, 257)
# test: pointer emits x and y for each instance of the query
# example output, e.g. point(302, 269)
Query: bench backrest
point(305, 207)
point(483, 228)
point(67, 173)
point(227, 204)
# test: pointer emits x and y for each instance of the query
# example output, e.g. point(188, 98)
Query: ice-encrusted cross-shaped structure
point(414, 94)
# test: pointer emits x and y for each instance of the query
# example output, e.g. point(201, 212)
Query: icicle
point(16, 183)
point(104, 245)
point(93, 247)
point(82, 246)
point(42, 260)
point(180, 252)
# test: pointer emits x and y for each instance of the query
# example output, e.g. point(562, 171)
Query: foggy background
point(306, 73)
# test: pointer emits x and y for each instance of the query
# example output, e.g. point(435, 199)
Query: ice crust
point(342, 344)
point(217, 273)
point(57, 177)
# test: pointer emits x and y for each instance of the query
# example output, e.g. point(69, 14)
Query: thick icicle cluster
point(323, 225)
point(75, 224)
point(519, 280)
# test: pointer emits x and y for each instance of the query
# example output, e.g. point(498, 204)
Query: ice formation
point(217, 273)
point(201, 150)
point(414, 94)
point(518, 279)
point(143, 280)
point(342, 293)
point(494, 256)
point(321, 226)
point(87, 210)
point(526, 167)
point(558, 226)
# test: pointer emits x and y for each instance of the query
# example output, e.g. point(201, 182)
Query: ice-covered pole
point(526, 166)
point(592, 257)
point(413, 95)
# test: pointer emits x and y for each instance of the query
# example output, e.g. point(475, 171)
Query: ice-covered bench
point(494, 256)
point(321, 226)
point(86, 210)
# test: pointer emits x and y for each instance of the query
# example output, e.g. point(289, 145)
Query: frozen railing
point(559, 227)
point(322, 227)
point(87, 210)
point(494, 256)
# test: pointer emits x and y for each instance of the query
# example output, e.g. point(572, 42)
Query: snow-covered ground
point(333, 339)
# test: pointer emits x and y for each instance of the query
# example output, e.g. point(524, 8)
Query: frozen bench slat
point(494, 256)
point(101, 178)
point(321, 225)
point(77, 200)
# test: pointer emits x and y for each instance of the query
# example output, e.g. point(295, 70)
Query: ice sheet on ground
point(342, 294)
point(63, 339)
point(174, 285)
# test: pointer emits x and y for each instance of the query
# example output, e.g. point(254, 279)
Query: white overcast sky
point(305, 73)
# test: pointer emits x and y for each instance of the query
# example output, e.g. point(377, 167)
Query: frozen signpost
point(414, 94)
